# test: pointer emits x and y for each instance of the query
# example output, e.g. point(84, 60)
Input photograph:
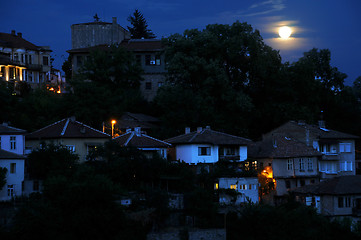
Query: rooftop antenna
point(96, 18)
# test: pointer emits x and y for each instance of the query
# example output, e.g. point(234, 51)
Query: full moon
point(285, 32)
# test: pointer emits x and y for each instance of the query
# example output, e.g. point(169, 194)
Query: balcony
point(34, 67)
point(234, 158)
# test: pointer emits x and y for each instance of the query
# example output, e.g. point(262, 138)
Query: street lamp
point(113, 122)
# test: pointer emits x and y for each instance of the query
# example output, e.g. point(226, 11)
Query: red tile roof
point(15, 41)
point(343, 185)
point(209, 136)
point(6, 130)
point(279, 146)
point(140, 141)
point(66, 128)
point(9, 155)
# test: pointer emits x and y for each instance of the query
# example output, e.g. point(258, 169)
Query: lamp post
point(113, 122)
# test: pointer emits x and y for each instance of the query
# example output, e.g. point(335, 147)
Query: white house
point(246, 189)
point(148, 145)
point(209, 146)
point(12, 146)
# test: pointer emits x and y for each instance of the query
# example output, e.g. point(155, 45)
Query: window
point(148, 85)
point(302, 182)
point(138, 59)
point(310, 164)
point(347, 202)
point(345, 147)
point(45, 61)
point(30, 59)
point(147, 60)
point(230, 151)
point(12, 142)
point(340, 202)
point(12, 167)
point(290, 164)
point(346, 166)
point(344, 202)
point(71, 148)
point(16, 57)
point(243, 186)
point(302, 164)
point(233, 186)
point(216, 186)
point(157, 60)
point(10, 190)
point(79, 61)
point(204, 151)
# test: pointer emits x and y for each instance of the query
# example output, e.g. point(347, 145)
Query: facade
point(338, 197)
point(145, 143)
point(74, 135)
point(88, 37)
point(12, 146)
point(246, 189)
point(338, 148)
point(22, 61)
point(209, 146)
point(132, 120)
point(288, 162)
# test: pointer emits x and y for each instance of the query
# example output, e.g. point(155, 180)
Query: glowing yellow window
point(216, 186)
point(233, 186)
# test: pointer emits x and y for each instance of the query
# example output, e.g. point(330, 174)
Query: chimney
point(13, 32)
point(187, 130)
point(114, 20)
point(20, 35)
point(199, 129)
point(321, 124)
point(137, 131)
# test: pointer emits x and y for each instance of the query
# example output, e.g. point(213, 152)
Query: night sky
point(335, 25)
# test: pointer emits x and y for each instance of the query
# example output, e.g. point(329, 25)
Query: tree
point(51, 160)
point(67, 68)
point(139, 28)
point(3, 172)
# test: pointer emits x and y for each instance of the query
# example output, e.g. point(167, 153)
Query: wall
point(12, 178)
point(189, 154)
point(20, 146)
point(251, 194)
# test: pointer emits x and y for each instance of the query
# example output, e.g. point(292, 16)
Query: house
point(246, 190)
point(338, 148)
point(97, 35)
point(23, 61)
point(148, 145)
point(12, 146)
point(338, 197)
point(76, 136)
point(132, 120)
point(15, 164)
point(286, 162)
point(209, 146)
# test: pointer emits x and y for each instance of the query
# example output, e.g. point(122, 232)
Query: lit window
point(204, 151)
point(12, 142)
point(233, 186)
point(12, 167)
point(216, 186)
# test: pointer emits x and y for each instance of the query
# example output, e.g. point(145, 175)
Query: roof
point(140, 141)
point(281, 147)
point(9, 155)
point(131, 45)
point(209, 136)
point(298, 130)
point(132, 120)
point(66, 128)
point(7, 130)
point(15, 41)
point(344, 185)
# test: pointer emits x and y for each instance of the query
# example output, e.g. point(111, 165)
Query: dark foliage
point(139, 28)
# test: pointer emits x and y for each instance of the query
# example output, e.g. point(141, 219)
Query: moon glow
point(285, 32)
